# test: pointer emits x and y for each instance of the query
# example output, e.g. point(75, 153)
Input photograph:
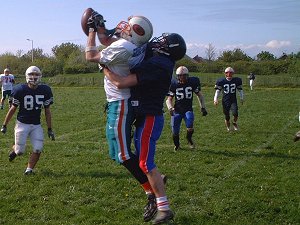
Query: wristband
point(91, 30)
point(91, 48)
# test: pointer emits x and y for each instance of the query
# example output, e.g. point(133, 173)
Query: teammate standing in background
point(7, 80)
point(150, 81)
point(30, 98)
point(229, 85)
point(182, 90)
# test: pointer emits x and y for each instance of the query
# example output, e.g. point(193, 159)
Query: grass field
point(245, 177)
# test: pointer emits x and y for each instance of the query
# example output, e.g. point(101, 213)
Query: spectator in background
point(251, 78)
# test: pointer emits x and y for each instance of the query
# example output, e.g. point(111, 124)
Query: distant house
point(198, 59)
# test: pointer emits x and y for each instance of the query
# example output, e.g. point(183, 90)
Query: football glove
point(51, 134)
point(95, 21)
point(3, 129)
point(204, 112)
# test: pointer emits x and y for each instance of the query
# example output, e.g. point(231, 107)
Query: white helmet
point(33, 75)
point(6, 70)
point(182, 70)
point(229, 72)
point(138, 30)
point(182, 74)
point(229, 69)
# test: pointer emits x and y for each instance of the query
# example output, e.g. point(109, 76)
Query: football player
point(229, 85)
point(182, 90)
point(30, 98)
point(121, 53)
point(150, 81)
point(7, 80)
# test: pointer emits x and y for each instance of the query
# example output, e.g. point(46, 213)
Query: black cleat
point(163, 217)
point(150, 209)
point(12, 155)
point(297, 136)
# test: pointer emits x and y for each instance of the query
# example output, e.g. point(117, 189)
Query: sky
point(253, 26)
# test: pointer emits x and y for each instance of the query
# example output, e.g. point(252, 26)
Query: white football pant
point(34, 132)
point(251, 84)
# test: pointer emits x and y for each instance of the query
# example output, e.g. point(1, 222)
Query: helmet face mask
point(182, 78)
point(33, 75)
point(137, 30)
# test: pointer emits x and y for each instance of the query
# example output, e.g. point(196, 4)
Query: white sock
point(162, 203)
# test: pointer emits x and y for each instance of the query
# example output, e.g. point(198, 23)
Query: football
point(85, 16)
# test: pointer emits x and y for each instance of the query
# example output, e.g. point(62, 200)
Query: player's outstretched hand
point(3, 129)
point(51, 134)
point(204, 112)
point(95, 21)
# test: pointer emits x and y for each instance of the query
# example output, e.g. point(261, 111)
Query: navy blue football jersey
point(228, 88)
point(154, 78)
point(183, 94)
point(31, 101)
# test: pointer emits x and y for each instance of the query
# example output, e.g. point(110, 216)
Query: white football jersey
point(7, 82)
point(116, 57)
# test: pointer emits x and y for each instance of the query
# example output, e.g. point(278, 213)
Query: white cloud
point(277, 44)
point(275, 47)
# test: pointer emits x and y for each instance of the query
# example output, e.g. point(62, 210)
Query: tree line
point(69, 58)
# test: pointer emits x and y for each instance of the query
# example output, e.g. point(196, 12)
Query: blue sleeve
point(172, 89)
point(196, 84)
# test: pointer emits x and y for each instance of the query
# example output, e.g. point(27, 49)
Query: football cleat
point(176, 148)
point(28, 172)
point(163, 217)
point(12, 155)
point(150, 208)
point(235, 126)
point(297, 136)
point(192, 146)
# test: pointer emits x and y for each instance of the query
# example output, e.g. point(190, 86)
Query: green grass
point(245, 177)
point(207, 80)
